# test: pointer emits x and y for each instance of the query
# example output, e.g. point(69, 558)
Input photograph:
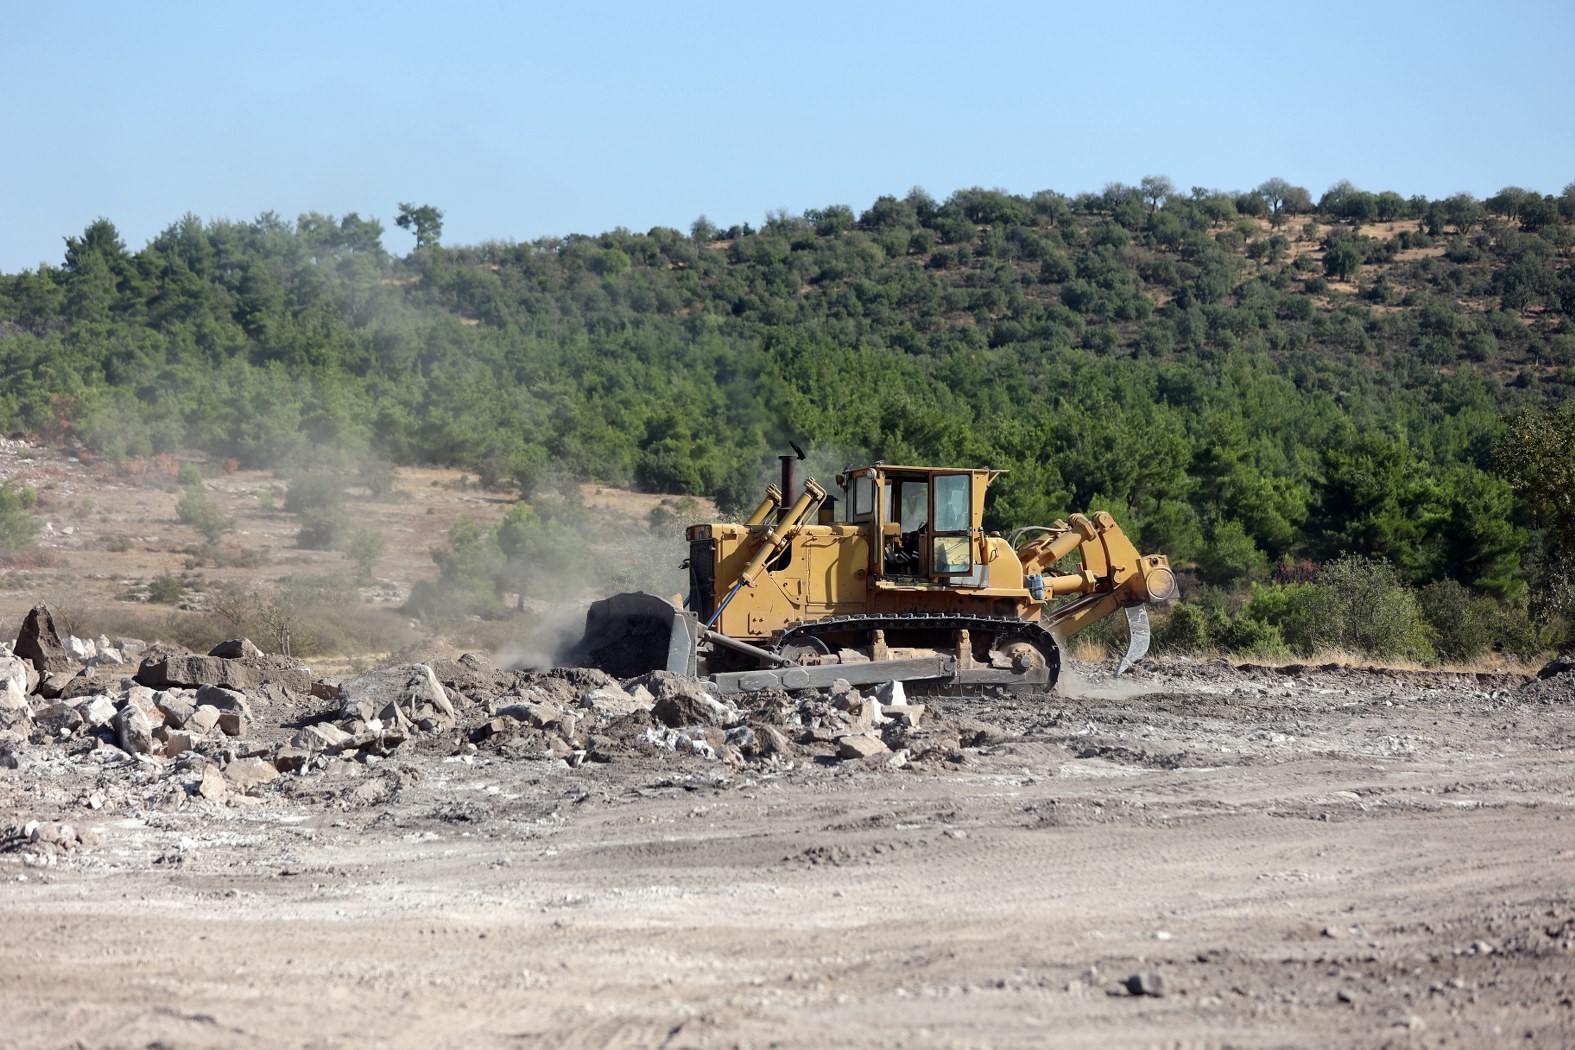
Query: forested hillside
point(1255, 382)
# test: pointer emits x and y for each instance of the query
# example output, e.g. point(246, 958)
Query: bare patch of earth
point(1201, 855)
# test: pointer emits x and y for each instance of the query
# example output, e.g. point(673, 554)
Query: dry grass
point(1489, 663)
point(1089, 651)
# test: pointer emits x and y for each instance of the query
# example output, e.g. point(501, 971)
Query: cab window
point(951, 549)
point(952, 503)
point(863, 496)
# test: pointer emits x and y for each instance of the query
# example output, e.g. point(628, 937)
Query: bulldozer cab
point(924, 522)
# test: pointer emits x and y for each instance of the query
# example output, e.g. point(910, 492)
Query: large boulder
point(39, 642)
point(85, 683)
point(189, 671)
point(235, 714)
point(235, 649)
point(134, 731)
point(683, 701)
point(15, 682)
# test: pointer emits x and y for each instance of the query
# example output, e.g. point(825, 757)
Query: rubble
point(42, 839)
point(235, 723)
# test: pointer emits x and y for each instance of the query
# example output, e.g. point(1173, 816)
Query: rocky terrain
point(228, 849)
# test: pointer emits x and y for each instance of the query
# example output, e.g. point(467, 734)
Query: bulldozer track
point(1000, 629)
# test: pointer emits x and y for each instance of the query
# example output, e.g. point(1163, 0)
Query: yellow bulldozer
point(903, 583)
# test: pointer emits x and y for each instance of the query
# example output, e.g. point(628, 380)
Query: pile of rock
point(1554, 684)
point(40, 841)
point(234, 719)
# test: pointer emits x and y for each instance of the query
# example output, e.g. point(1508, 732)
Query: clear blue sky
point(522, 120)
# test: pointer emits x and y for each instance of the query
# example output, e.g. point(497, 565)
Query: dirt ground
point(1198, 854)
point(1301, 858)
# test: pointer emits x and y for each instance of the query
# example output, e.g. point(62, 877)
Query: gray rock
point(39, 642)
point(160, 671)
point(772, 741)
point(15, 684)
point(52, 683)
point(57, 717)
point(134, 731)
point(291, 759)
point(83, 683)
point(861, 746)
point(235, 649)
point(97, 710)
point(681, 701)
point(211, 784)
point(203, 720)
point(1149, 982)
point(412, 688)
point(323, 736)
point(248, 773)
point(144, 698)
point(108, 656)
point(613, 701)
point(223, 699)
point(176, 707)
point(174, 741)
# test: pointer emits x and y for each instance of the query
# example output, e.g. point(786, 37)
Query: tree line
point(1256, 383)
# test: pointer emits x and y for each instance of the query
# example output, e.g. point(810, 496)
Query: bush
point(1463, 622)
point(1250, 637)
point(197, 509)
point(322, 529)
point(1361, 604)
point(1231, 557)
point(314, 492)
point(365, 546)
point(18, 528)
point(1289, 609)
point(166, 589)
point(468, 575)
point(1188, 628)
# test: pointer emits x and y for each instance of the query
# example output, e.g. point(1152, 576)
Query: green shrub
point(365, 547)
point(1188, 628)
point(322, 528)
point(1231, 557)
point(314, 492)
point(1290, 609)
point(1250, 637)
point(18, 528)
point(197, 509)
point(1361, 604)
point(1463, 622)
point(188, 475)
point(166, 589)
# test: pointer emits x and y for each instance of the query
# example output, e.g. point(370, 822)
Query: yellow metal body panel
point(773, 573)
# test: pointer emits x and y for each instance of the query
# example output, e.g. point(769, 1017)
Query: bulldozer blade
point(630, 634)
point(1138, 634)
